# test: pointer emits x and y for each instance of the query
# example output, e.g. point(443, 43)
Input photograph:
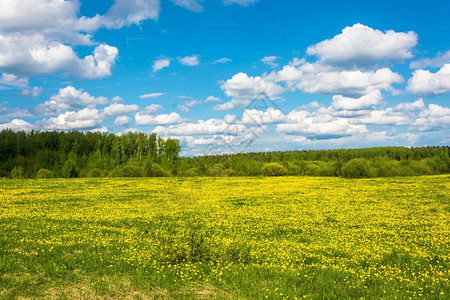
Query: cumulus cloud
point(162, 119)
point(435, 117)
point(254, 116)
point(152, 109)
point(192, 5)
point(348, 83)
point(410, 106)
point(37, 36)
point(122, 121)
point(370, 100)
point(428, 84)
point(242, 86)
point(436, 62)
point(202, 127)
point(68, 99)
point(383, 117)
point(360, 46)
point(86, 118)
point(17, 125)
point(191, 61)
point(270, 61)
point(232, 104)
point(318, 126)
point(119, 108)
point(152, 95)
point(160, 64)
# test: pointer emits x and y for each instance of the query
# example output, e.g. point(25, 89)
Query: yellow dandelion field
point(226, 238)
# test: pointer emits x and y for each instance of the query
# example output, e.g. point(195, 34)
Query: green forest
point(77, 154)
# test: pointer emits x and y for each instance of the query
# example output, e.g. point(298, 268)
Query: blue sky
point(230, 75)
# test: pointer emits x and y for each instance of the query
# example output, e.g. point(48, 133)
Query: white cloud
point(254, 116)
point(436, 62)
point(98, 65)
point(162, 119)
point(383, 117)
point(17, 125)
point(119, 108)
point(36, 37)
point(152, 95)
point(152, 109)
point(233, 104)
point(435, 117)
point(428, 84)
point(122, 121)
point(190, 61)
point(361, 46)
point(241, 86)
point(189, 104)
point(130, 12)
point(160, 64)
point(410, 106)
point(270, 61)
point(201, 127)
point(192, 5)
point(310, 106)
point(117, 99)
point(32, 92)
point(239, 2)
point(87, 118)
point(12, 81)
point(370, 100)
point(348, 83)
point(318, 126)
point(222, 60)
point(212, 99)
point(68, 98)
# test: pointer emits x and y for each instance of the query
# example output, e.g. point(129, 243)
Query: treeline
point(351, 163)
point(78, 154)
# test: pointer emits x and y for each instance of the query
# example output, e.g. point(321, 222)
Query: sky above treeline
point(227, 76)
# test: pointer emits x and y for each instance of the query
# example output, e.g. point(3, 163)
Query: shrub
point(44, 173)
point(358, 168)
point(155, 170)
point(95, 173)
point(274, 169)
point(17, 173)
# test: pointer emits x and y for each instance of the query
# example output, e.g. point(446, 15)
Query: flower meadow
point(225, 238)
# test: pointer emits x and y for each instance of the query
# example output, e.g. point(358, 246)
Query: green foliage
point(78, 154)
point(17, 173)
point(358, 168)
point(274, 169)
point(69, 169)
point(44, 173)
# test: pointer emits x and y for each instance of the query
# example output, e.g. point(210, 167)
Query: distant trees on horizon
point(77, 154)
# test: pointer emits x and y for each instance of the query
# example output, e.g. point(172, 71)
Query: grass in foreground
point(221, 238)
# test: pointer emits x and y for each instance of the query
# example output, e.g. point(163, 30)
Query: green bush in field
point(358, 168)
point(44, 173)
point(17, 173)
point(274, 169)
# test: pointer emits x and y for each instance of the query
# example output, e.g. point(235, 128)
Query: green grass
point(225, 238)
